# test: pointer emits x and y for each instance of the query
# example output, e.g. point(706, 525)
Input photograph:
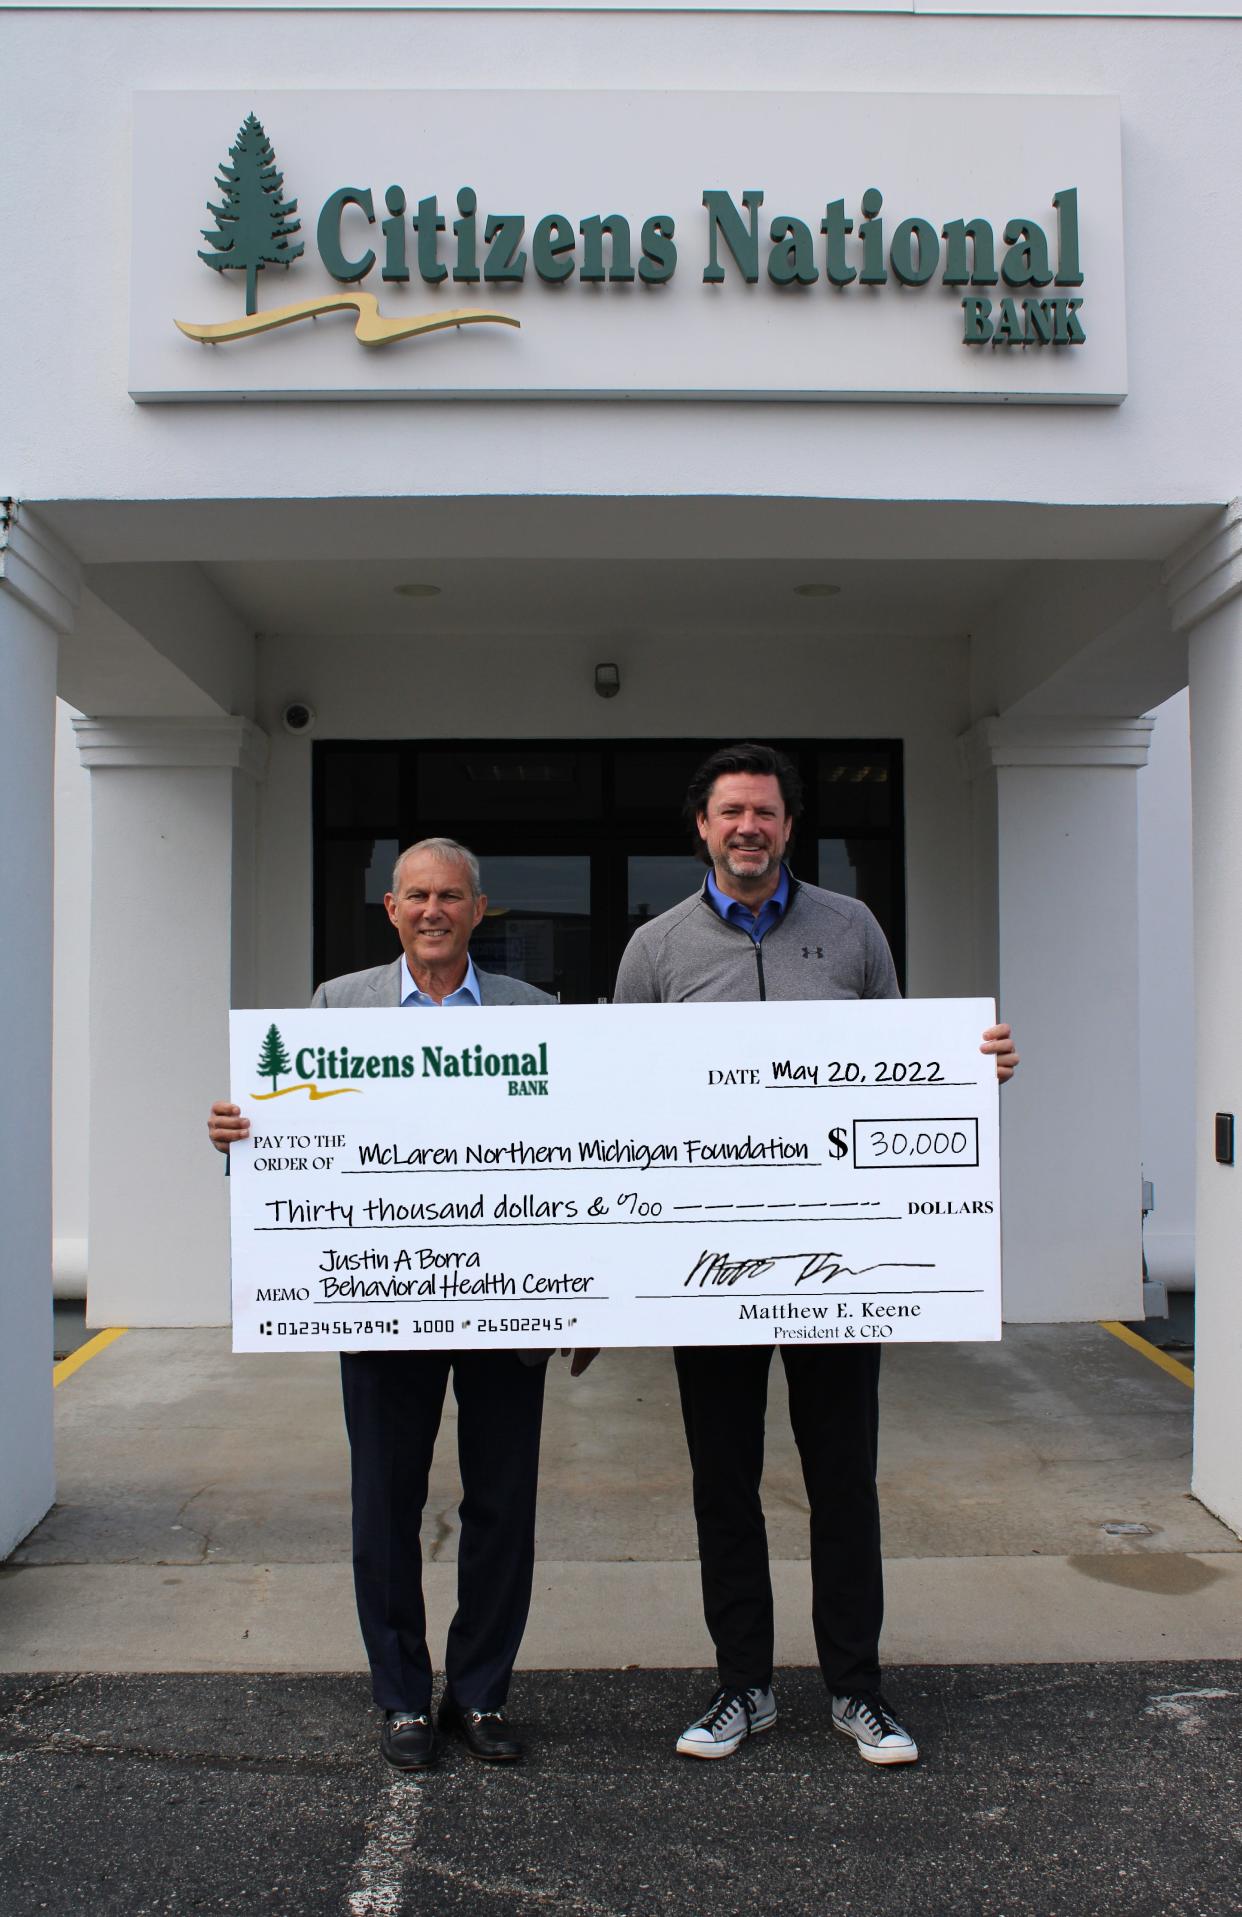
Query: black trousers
point(393, 1403)
point(834, 1411)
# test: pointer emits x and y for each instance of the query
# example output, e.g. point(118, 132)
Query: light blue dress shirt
point(467, 992)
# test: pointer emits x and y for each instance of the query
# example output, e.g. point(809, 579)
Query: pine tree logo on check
point(254, 225)
point(524, 1073)
point(273, 1058)
point(274, 1062)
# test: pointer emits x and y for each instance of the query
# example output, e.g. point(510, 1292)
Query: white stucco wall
point(69, 429)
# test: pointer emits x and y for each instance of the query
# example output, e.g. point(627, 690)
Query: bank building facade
point(457, 421)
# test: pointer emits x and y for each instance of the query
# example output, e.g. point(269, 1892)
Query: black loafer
point(408, 1742)
point(485, 1734)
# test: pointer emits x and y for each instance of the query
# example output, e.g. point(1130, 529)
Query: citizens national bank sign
point(627, 245)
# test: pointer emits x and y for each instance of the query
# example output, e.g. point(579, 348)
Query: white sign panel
point(627, 245)
point(615, 1175)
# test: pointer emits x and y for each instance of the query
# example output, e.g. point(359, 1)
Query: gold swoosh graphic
point(314, 1091)
point(372, 328)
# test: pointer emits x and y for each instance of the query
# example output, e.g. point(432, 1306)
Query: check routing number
point(532, 1176)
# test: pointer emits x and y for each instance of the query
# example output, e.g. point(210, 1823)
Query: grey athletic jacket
point(826, 946)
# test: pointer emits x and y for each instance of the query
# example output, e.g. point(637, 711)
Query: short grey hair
point(451, 852)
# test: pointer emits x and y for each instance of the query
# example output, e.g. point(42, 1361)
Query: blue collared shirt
point(758, 924)
point(467, 992)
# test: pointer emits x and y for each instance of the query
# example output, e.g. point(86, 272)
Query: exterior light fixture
point(608, 680)
point(417, 589)
point(817, 589)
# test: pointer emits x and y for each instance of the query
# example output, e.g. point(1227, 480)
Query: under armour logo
point(818, 952)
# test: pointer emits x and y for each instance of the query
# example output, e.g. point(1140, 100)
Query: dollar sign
point(837, 1145)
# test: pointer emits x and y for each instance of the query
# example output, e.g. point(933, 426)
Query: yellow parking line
point(84, 1353)
point(1175, 1370)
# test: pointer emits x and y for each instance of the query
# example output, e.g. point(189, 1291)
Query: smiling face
point(434, 912)
point(745, 829)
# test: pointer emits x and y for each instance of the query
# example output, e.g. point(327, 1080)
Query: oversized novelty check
point(526, 1176)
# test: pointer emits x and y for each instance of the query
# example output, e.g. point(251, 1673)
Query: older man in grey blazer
point(394, 1400)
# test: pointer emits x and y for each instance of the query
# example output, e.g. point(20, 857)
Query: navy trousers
point(393, 1404)
point(834, 1411)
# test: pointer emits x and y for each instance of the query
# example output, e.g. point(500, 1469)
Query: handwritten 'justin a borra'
point(716, 1268)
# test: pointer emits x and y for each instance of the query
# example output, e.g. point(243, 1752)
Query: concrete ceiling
point(598, 565)
point(523, 596)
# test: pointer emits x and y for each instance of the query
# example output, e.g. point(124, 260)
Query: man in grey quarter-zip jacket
point(755, 932)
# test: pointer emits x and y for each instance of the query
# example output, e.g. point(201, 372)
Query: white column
point(1167, 997)
point(1204, 584)
point(1067, 964)
point(71, 1030)
point(165, 814)
point(38, 594)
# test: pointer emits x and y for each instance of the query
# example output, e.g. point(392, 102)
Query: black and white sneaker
point(730, 1718)
point(880, 1738)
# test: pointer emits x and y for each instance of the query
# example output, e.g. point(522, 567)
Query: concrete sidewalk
point(202, 1518)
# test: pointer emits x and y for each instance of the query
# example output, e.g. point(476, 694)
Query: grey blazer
point(381, 985)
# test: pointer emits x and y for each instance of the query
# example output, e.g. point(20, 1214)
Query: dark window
point(354, 875)
point(649, 781)
point(578, 843)
point(538, 921)
point(486, 783)
point(360, 786)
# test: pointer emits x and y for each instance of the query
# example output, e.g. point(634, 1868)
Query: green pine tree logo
point(273, 1059)
point(253, 221)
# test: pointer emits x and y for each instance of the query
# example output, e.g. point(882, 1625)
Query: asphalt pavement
point(1042, 1791)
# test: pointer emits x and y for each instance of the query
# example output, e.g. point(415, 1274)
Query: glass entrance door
point(579, 843)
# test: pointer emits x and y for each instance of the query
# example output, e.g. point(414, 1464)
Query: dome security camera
point(298, 717)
